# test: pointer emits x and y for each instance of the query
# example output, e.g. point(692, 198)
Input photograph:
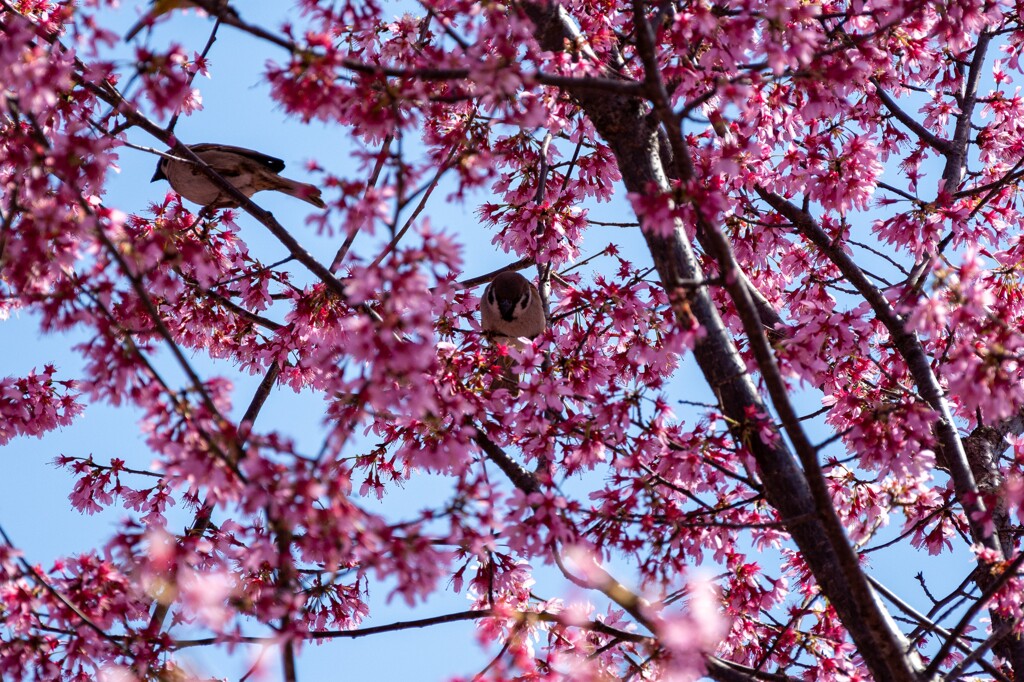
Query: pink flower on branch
point(36, 404)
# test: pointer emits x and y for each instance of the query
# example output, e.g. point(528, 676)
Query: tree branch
point(929, 138)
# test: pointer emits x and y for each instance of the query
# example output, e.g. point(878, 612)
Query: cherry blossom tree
point(828, 197)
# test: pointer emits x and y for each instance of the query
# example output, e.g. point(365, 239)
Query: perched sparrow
point(158, 8)
point(511, 308)
point(247, 170)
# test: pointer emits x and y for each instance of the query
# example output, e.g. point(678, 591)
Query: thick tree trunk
point(632, 134)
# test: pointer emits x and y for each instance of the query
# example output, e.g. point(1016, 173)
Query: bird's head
point(510, 293)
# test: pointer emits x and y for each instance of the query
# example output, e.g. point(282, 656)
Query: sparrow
point(249, 171)
point(510, 310)
point(158, 8)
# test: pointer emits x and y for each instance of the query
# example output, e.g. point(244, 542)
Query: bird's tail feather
point(301, 190)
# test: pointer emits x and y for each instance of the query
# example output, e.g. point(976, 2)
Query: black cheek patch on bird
point(507, 308)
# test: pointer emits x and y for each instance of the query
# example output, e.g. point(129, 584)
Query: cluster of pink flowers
point(36, 404)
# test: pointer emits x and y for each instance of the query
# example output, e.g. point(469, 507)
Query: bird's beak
point(159, 175)
point(507, 308)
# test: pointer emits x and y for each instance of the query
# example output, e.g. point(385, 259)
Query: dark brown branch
point(967, 620)
point(382, 157)
point(227, 15)
point(927, 625)
point(238, 310)
point(925, 135)
point(520, 477)
point(595, 626)
point(427, 191)
point(483, 279)
point(728, 671)
point(956, 155)
point(956, 158)
point(192, 76)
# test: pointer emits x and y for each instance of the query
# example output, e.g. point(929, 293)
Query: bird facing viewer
point(509, 310)
point(511, 307)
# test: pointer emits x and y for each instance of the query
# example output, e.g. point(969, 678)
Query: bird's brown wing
point(271, 163)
